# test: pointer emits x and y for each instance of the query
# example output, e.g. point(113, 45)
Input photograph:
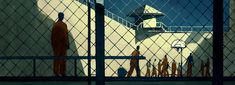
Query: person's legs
point(178, 73)
point(137, 69)
point(130, 71)
point(167, 73)
point(154, 73)
point(207, 72)
point(159, 72)
point(164, 71)
point(63, 62)
point(189, 70)
point(147, 72)
point(56, 68)
point(202, 72)
point(173, 73)
point(56, 63)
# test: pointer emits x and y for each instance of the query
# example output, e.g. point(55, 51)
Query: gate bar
point(99, 38)
point(217, 42)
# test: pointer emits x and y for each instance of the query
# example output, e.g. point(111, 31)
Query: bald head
point(61, 16)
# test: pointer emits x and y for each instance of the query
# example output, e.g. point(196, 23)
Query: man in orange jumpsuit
point(148, 64)
point(133, 62)
point(165, 65)
point(173, 70)
point(159, 68)
point(207, 68)
point(202, 68)
point(190, 65)
point(154, 70)
point(60, 44)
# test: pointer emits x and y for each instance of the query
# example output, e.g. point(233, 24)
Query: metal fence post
point(99, 20)
point(217, 42)
point(89, 41)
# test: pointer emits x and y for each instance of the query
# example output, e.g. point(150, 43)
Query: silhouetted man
point(190, 65)
point(154, 70)
point(207, 68)
point(173, 70)
point(159, 68)
point(134, 62)
point(165, 65)
point(60, 44)
point(202, 68)
point(148, 64)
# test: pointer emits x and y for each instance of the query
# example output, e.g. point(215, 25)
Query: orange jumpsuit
point(154, 70)
point(165, 65)
point(60, 43)
point(159, 69)
point(148, 64)
point(173, 70)
point(133, 64)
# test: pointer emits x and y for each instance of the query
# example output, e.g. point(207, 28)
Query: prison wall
point(26, 31)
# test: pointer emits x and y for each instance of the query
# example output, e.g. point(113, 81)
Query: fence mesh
point(229, 39)
point(156, 26)
point(174, 28)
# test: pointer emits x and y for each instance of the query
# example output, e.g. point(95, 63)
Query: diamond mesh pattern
point(229, 51)
point(181, 19)
point(25, 28)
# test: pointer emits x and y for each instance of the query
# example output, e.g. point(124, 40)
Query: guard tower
point(146, 18)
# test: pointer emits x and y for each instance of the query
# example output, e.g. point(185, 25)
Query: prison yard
point(142, 39)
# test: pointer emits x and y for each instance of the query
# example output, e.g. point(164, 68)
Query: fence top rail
point(67, 57)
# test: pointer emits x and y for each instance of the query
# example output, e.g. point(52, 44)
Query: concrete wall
point(26, 31)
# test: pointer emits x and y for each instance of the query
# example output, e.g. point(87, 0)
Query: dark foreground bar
point(68, 57)
point(131, 79)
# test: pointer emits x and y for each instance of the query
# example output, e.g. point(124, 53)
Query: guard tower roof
point(146, 10)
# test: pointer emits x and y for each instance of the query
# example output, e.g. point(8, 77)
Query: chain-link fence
point(229, 39)
point(171, 28)
point(167, 27)
point(26, 31)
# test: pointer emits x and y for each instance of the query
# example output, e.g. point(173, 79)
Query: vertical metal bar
point(217, 42)
point(99, 12)
point(89, 41)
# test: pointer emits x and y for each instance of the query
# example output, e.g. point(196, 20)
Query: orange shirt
point(134, 54)
point(159, 66)
point(59, 37)
point(165, 61)
point(173, 66)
